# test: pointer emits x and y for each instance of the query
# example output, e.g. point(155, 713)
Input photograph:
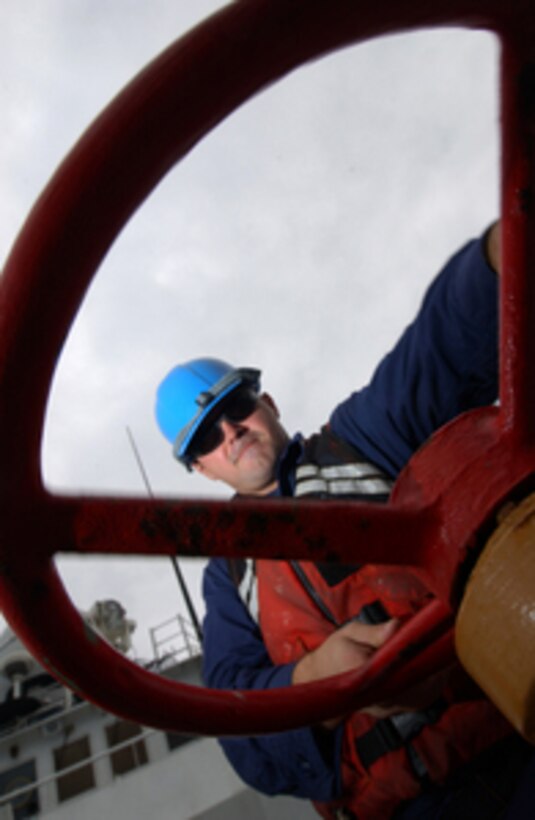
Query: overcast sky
point(298, 237)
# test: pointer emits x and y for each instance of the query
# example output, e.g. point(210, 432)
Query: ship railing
point(174, 640)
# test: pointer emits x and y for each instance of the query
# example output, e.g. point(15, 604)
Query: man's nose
point(228, 428)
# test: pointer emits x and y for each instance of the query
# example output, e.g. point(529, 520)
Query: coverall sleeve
point(301, 762)
point(446, 362)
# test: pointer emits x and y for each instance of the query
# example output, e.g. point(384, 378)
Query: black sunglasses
point(237, 407)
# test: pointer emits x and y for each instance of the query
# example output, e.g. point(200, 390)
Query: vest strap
point(390, 734)
point(314, 596)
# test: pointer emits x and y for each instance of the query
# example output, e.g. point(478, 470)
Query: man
point(319, 620)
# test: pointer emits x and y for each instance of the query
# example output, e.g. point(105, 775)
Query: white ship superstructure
point(62, 757)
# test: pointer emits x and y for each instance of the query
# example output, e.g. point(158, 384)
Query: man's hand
point(350, 647)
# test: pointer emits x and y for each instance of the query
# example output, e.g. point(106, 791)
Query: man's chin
point(260, 480)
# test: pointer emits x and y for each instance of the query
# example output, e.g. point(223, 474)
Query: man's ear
point(267, 399)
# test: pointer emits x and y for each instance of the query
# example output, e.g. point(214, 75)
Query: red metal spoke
point(517, 343)
point(269, 528)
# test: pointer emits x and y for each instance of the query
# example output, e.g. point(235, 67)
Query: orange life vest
point(379, 769)
point(384, 762)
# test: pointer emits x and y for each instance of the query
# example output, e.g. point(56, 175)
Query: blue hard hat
point(190, 391)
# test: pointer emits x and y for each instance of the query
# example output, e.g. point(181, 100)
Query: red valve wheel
point(156, 120)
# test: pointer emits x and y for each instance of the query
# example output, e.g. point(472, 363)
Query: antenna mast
point(174, 560)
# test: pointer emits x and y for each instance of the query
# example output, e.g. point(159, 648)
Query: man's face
point(247, 457)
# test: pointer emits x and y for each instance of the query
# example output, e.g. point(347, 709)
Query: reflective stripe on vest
point(356, 479)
